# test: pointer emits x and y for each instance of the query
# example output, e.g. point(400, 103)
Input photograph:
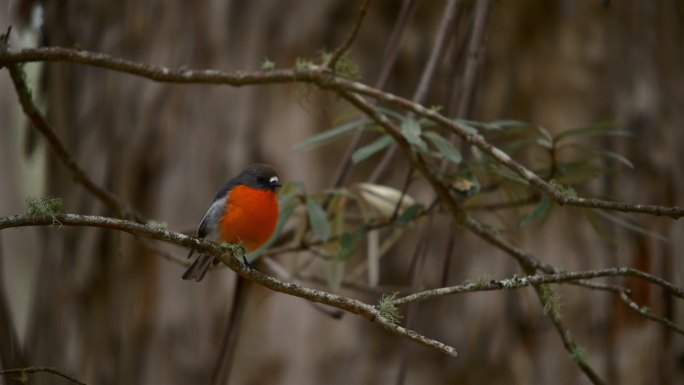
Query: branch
point(474, 58)
point(41, 124)
point(365, 310)
point(539, 279)
point(321, 77)
point(350, 39)
point(528, 263)
point(438, 49)
point(644, 312)
point(38, 369)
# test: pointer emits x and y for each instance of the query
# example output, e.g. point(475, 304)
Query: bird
point(243, 211)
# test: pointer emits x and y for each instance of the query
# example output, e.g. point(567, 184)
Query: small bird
point(244, 210)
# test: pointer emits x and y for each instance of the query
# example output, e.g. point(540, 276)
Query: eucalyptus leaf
point(329, 135)
point(602, 153)
point(334, 272)
point(445, 147)
point(537, 212)
point(392, 113)
point(598, 227)
point(411, 130)
point(602, 128)
point(408, 215)
point(371, 149)
point(466, 126)
point(630, 226)
point(318, 220)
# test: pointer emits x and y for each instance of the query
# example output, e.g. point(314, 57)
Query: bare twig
point(40, 369)
point(443, 36)
point(540, 279)
point(41, 124)
point(365, 310)
point(388, 59)
point(350, 39)
point(474, 58)
point(645, 312)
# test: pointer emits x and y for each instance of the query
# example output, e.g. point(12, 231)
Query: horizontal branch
point(323, 78)
point(365, 310)
point(539, 279)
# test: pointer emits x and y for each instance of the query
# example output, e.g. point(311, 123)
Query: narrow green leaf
point(507, 123)
point(399, 117)
point(318, 220)
point(334, 272)
point(597, 129)
point(630, 226)
point(329, 135)
point(537, 212)
point(602, 153)
point(544, 133)
point(466, 126)
point(598, 227)
point(445, 147)
point(408, 215)
point(496, 125)
point(577, 172)
point(372, 148)
point(411, 130)
point(544, 143)
point(347, 246)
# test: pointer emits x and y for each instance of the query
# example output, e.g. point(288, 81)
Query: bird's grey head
point(260, 176)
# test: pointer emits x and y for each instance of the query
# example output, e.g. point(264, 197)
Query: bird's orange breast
point(250, 218)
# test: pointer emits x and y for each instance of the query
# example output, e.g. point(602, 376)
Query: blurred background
point(103, 308)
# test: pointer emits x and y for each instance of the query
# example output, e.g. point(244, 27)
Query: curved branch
point(39, 369)
point(365, 310)
point(352, 35)
point(42, 125)
point(321, 77)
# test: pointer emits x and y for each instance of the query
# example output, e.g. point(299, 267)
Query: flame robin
point(244, 210)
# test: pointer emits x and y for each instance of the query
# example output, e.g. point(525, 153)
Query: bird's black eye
point(262, 180)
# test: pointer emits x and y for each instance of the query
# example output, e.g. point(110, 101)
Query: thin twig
point(436, 55)
point(352, 35)
point(645, 312)
point(474, 58)
point(365, 310)
point(40, 369)
point(540, 279)
point(389, 57)
point(42, 125)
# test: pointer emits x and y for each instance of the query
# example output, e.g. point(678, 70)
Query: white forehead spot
point(274, 179)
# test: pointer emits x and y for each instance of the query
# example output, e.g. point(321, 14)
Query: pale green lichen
point(267, 65)
point(388, 309)
point(51, 207)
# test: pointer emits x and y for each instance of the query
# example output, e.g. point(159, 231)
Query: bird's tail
point(198, 268)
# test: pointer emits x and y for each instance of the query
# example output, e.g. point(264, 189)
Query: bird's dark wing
point(209, 227)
